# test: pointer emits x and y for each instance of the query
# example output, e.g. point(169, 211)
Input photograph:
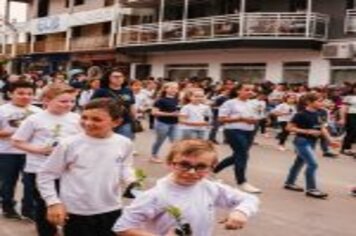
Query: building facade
point(295, 41)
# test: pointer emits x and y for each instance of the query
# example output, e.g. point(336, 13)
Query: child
point(195, 117)
point(308, 126)
point(12, 160)
point(284, 113)
point(40, 132)
point(166, 111)
point(188, 191)
point(91, 167)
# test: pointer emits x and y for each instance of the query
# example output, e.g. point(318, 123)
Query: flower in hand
point(236, 220)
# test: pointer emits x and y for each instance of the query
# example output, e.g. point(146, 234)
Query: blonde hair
point(54, 90)
point(192, 148)
point(162, 92)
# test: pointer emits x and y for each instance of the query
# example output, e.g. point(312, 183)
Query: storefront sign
point(92, 17)
point(47, 25)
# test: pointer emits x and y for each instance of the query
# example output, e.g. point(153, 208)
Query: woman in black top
point(114, 85)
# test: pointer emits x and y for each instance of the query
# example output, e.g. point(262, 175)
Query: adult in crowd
point(114, 85)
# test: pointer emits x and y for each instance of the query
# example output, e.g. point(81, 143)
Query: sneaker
point(246, 187)
point(12, 214)
point(329, 155)
point(155, 160)
point(315, 193)
point(293, 187)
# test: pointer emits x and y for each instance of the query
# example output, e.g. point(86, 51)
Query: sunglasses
point(186, 166)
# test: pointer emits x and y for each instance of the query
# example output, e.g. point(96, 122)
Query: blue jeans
point(11, 165)
point(125, 130)
point(163, 131)
point(194, 134)
point(240, 142)
point(305, 149)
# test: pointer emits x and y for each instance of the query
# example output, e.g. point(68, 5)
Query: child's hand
point(44, 150)
point(171, 232)
point(57, 214)
point(236, 220)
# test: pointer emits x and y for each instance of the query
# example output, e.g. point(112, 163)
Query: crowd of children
point(72, 142)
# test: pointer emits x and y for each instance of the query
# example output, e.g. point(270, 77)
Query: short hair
point(54, 90)
point(192, 147)
point(20, 84)
point(115, 109)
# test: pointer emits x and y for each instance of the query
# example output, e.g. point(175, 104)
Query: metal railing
point(90, 43)
point(22, 48)
point(234, 26)
point(350, 21)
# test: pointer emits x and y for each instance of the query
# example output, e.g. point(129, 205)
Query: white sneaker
point(246, 187)
point(282, 148)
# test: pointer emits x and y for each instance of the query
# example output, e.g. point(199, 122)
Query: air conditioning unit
point(337, 51)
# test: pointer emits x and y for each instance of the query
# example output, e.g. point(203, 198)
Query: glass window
point(183, 71)
point(339, 75)
point(253, 73)
point(296, 72)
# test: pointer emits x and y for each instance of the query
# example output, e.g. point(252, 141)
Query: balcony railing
point(237, 26)
point(350, 21)
point(22, 48)
point(90, 43)
point(49, 46)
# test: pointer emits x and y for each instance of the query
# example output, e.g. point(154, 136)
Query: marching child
point(12, 160)
point(195, 117)
point(91, 166)
point(39, 133)
point(284, 112)
point(308, 126)
point(185, 200)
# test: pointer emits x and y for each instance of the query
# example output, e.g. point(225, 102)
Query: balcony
point(267, 26)
point(22, 48)
point(90, 43)
point(350, 21)
point(49, 46)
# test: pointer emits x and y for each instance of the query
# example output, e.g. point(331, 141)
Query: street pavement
point(282, 212)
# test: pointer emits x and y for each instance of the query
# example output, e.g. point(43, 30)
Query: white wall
point(274, 58)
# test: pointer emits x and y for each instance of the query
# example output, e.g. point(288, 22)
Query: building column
point(132, 71)
point(32, 43)
point(157, 70)
point(68, 39)
point(320, 72)
point(160, 20)
point(242, 17)
point(274, 71)
point(308, 23)
point(214, 71)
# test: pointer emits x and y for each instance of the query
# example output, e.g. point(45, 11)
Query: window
point(77, 32)
point(78, 2)
point(350, 4)
point(183, 71)
point(296, 72)
point(343, 71)
point(106, 28)
point(244, 72)
point(66, 3)
point(108, 3)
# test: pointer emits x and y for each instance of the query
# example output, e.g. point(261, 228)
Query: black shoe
point(348, 153)
point(316, 194)
point(329, 155)
point(28, 215)
point(293, 187)
point(12, 214)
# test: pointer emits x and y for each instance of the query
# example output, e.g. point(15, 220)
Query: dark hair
point(235, 90)
point(20, 84)
point(115, 109)
point(105, 81)
point(307, 99)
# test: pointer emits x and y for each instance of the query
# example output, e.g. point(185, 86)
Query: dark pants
point(240, 142)
point(262, 125)
point(44, 228)
point(94, 225)
point(11, 166)
point(283, 135)
point(350, 128)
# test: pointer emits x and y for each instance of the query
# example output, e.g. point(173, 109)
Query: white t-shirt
point(195, 113)
point(44, 129)
point(85, 97)
point(197, 204)
point(259, 107)
point(350, 101)
point(287, 109)
point(235, 108)
point(11, 117)
point(91, 172)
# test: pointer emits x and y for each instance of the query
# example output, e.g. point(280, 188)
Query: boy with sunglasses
point(187, 190)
